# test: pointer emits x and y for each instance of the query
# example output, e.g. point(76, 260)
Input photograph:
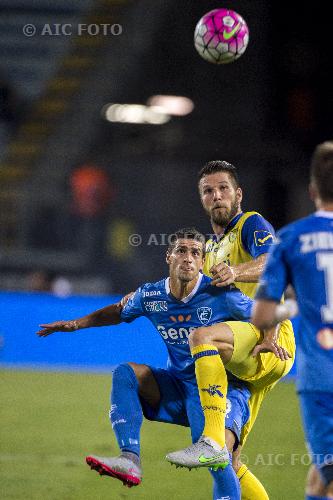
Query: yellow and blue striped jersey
point(246, 237)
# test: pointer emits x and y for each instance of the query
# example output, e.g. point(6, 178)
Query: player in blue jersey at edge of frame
point(184, 302)
point(303, 258)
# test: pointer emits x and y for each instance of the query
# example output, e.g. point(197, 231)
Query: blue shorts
point(317, 414)
point(180, 404)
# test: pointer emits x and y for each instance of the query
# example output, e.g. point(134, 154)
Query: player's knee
point(124, 374)
point(201, 335)
point(142, 372)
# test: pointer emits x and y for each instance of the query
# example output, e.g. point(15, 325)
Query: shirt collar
point(232, 223)
point(324, 213)
point(190, 295)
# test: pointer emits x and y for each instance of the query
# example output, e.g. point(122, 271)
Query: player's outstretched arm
point(109, 315)
point(267, 313)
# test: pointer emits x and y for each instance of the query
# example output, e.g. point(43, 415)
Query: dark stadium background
point(264, 113)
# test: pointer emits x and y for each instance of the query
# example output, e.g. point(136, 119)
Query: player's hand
point(57, 326)
point(268, 345)
point(125, 299)
point(223, 275)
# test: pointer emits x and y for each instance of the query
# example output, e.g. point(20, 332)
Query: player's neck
point(181, 289)
point(326, 206)
point(218, 229)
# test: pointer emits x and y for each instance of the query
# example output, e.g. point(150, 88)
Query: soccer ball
point(221, 36)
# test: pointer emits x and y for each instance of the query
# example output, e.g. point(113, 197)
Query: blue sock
point(226, 484)
point(126, 412)
point(311, 497)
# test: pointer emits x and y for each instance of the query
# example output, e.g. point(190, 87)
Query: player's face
point(219, 197)
point(186, 260)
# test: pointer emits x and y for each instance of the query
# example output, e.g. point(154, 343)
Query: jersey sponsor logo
point(153, 293)
point(204, 314)
point(213, 390)
point(179, 335)
point(232, 236)
point(263, 238)
point(180, 318)
point(156, 306)
point(325, 338)
point(209, 247)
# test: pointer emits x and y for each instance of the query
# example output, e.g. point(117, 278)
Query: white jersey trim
point(324, 213)
point(190, 295)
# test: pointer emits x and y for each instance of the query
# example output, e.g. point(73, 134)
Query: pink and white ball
point(221, 36)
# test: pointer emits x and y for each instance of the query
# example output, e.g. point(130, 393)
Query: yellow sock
point(212, 384)
point(251, 487)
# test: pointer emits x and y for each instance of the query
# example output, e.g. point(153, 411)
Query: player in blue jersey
point(176, 306)
point(303, 257)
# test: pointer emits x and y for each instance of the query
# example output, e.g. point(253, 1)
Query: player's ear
point(167, 257)
point(239, 194)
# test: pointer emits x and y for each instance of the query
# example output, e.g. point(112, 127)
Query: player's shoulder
point(152, 289)
point(207, 287)
point(255, 228)
point(293, 229)
point(253, 218)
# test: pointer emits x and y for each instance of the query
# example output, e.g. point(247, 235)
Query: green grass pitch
point(49, 422)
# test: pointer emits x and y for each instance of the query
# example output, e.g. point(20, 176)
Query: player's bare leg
point(127, 467)
point(314, 483)
point(315, 486)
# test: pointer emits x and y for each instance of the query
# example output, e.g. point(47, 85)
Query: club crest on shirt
point(204, 314)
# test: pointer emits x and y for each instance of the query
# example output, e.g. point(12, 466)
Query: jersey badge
point(263, 238)
point(204, 314)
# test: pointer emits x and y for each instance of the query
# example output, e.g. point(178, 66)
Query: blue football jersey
point(176, 319)
point(303, 257)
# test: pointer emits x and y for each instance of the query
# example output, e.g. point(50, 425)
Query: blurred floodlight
point(172, 104)
point(135, 113)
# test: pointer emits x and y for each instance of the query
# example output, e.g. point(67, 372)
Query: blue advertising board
point(94, 349)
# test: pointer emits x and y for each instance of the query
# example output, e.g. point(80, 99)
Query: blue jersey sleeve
point(275, 278)
point(133, 309)
point(257, 235)
point(239, 304)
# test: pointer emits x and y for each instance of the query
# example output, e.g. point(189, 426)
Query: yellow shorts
point(262, 372)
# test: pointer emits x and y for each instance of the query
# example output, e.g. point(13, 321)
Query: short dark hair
point(322, 170)
point(186, 233)
point(214, 166)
